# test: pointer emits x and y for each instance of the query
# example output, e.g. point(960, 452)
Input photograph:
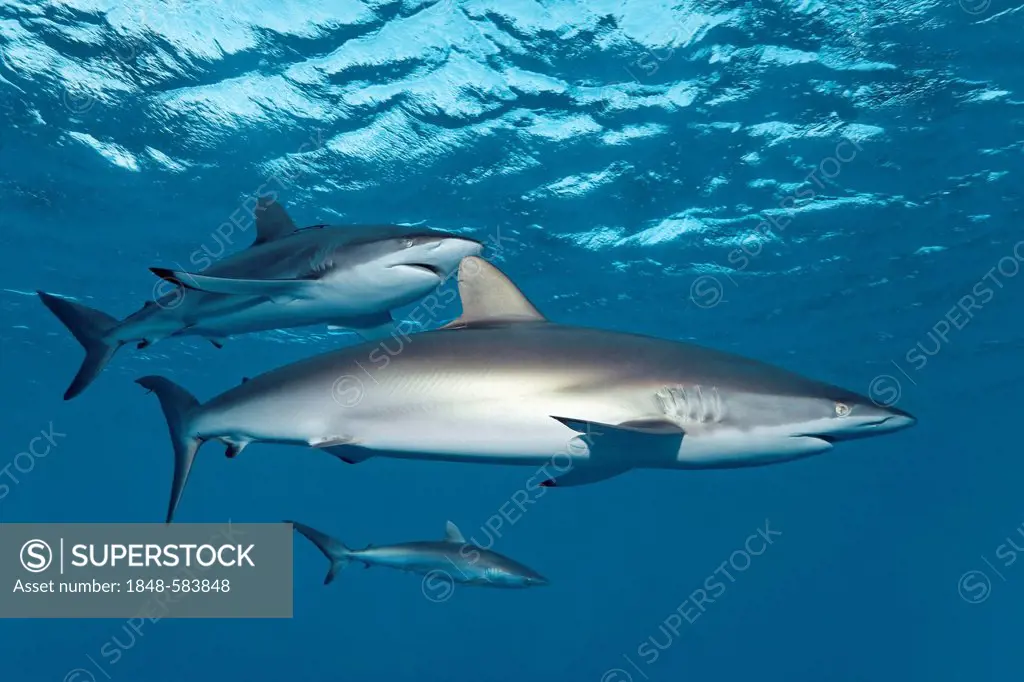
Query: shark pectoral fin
point(651, 427)
point(453, 534)
point(643, 427)
point(278, 290)
point(584, 474)
point(272, 221)
point(649, 442)
point(489, 296)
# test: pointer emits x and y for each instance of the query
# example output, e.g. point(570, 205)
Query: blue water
point(814, 184)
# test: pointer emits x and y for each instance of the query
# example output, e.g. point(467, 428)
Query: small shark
point(502, 385)
point(453, 557)
point(347, 275)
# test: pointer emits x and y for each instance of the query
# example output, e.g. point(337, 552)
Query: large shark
point(502, 385)
point(451, 559)
point(348, 276)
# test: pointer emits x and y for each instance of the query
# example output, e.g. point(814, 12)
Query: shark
point(503, 385)
point(349, 276)
point(451, 559)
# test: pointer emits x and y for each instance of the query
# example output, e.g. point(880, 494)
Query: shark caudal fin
point(89, 327)
point(178, 406)
point(337, 553)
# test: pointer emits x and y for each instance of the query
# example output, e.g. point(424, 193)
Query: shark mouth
point(864, 430)
point(425, 267)
point(831, 440)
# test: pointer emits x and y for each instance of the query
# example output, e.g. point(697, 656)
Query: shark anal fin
point(217, 343)
point(278, 290)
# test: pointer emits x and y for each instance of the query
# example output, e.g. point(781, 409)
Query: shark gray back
point(502, 385)
point(345, 276)
point(451, 559)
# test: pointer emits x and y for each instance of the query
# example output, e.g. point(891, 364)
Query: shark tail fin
point(89, 327)
point(179, 407)
point(336, 552)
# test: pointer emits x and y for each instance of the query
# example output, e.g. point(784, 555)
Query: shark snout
point(879, 418)
point(438, 255)
point(897, 421)
point(866, 421)
point(447, 253)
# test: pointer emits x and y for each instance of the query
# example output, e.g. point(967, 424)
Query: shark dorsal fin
point(272, 221)
point(489, 295)
point(453, 534)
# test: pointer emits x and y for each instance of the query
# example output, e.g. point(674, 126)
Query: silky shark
point(502, 385)
point(450, 559)
point(347, 275)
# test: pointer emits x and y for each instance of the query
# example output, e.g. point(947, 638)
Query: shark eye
point(842, 409)
point(408, 243)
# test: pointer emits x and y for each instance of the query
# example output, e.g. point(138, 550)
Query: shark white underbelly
point(349, 276)
point(502, 385)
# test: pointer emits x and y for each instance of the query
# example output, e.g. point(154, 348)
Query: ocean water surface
point(833, 187)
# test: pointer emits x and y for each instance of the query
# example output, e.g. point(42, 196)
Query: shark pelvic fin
point(278, 290)
point(272, 221)
point(488, 295)
point(453, 534)
point(233, 449)
point(336, 552)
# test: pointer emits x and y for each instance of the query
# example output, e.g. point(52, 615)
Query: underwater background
point(818, 185)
